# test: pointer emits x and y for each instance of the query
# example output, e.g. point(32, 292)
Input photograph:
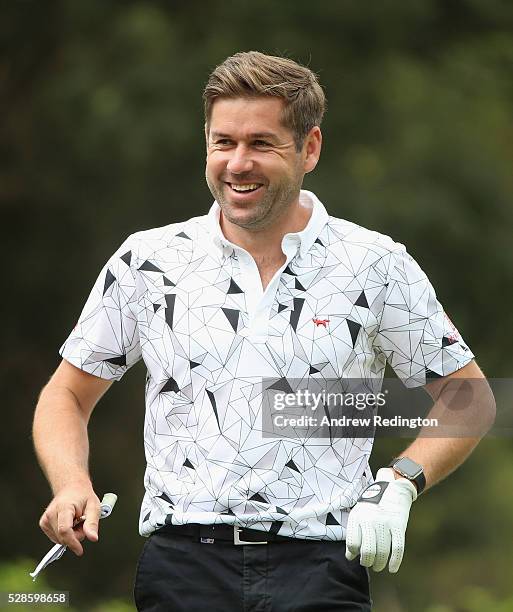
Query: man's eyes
point(256, 143)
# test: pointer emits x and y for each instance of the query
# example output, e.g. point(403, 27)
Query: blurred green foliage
point(14, 578)
point(101, 135)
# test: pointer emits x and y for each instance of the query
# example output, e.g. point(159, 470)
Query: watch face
point(409, 467)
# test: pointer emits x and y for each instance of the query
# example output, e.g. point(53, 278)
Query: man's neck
point(264, 244)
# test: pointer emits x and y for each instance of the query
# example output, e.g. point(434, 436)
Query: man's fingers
point(368, 548)
point(65, 518)
point(72, 515)
point(92, 520)
point(353, 539)
point(383, 542)
point(46, 526)
point(396, 555)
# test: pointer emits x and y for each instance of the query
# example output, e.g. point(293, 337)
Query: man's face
point(253, 169)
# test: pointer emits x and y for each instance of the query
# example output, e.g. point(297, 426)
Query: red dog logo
point(322, 322)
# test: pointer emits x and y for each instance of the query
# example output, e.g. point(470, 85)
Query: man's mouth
point(244, 188)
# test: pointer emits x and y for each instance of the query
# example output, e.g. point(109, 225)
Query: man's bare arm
point(62, 447)
point(441, 456)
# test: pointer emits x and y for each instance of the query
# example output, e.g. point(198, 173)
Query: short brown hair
point(253, 74)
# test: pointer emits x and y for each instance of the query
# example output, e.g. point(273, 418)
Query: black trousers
point(176, 573)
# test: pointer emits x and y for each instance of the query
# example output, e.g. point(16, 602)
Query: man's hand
point(68, 507)
point(377, 523)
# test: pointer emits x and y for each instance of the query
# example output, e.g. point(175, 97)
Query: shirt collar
point(303, 239)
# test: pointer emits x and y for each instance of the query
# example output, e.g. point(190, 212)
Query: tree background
point(101, 135)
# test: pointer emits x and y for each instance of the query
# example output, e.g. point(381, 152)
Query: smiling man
point(254, 175)
point(265, 287)
point(255, 169)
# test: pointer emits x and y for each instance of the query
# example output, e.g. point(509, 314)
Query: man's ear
point(206, 134)
point(312, 148)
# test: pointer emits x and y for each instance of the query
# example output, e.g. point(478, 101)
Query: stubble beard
point(268, 209)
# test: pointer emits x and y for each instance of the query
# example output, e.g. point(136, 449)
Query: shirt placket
point(260, 302)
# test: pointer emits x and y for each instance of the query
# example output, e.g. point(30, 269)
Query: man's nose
point(240, 160)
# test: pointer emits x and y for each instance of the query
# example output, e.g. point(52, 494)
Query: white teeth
point(245, 187)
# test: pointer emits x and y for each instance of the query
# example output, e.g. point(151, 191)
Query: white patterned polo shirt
point(191, 305)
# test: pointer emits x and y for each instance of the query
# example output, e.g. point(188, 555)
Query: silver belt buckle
point(236, 539)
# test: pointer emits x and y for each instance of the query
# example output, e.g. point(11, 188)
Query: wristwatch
point(411, 470)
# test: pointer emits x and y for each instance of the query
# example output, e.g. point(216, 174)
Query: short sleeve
point(105, 340)
point(415, 335)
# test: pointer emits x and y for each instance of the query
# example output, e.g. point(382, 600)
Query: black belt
point(209, 534)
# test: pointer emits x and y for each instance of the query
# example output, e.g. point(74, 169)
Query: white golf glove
point(377, 522)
